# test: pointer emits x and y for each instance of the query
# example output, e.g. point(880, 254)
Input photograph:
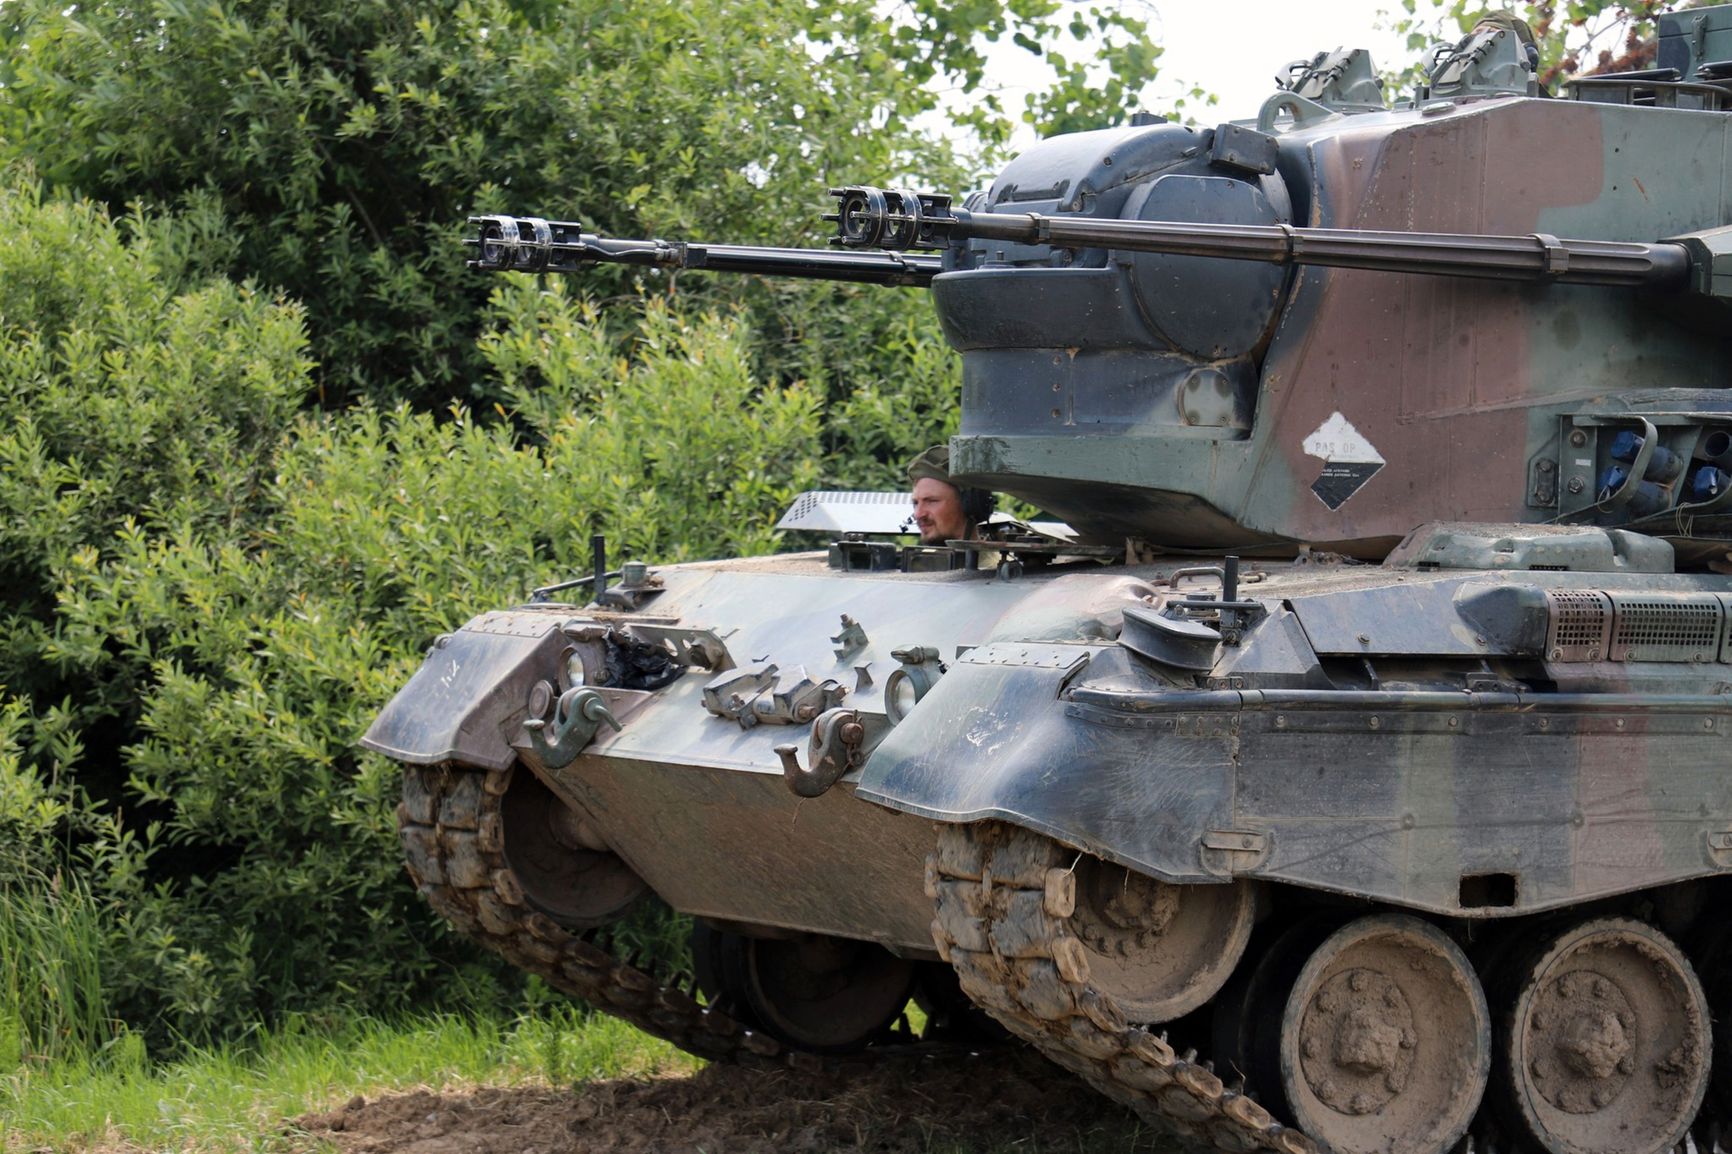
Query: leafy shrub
point(269, 876)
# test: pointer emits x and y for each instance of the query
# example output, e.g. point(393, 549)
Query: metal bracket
point(761, 694)
point(835, 747)
point(699, 647)
point(579, 712)
point(850, 641)
point(1233, 851)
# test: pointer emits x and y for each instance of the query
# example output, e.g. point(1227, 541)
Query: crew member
point(943, 510)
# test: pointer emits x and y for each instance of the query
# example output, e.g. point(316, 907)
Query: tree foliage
point(215, 594)
point(1573, 36)
point(345, 143)
point(213, 581)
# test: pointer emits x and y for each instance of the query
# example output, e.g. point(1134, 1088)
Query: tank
point(1353, 776)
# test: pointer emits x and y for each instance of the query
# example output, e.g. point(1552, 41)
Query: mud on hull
point(1369, 867)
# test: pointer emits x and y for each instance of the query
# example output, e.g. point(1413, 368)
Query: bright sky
point(1232, 48)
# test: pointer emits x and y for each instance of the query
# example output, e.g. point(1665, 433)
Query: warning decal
point(1349, 460)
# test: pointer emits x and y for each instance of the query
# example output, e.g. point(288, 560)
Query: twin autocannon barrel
point(530, 244)
point(894, 221)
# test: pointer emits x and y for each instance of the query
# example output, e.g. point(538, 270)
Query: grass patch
point(236, 1097)
point(51, 1000)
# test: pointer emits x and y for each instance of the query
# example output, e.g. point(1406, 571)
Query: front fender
point(469, 698)
point(994, 740)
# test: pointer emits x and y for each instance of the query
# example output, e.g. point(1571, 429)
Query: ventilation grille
point(1682, 627)
point(1591, 625)
point(1581, 625)
point(842, 512)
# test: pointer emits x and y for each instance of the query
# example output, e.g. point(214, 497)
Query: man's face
point(938, 512)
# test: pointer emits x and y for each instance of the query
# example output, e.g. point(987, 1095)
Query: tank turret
point(1328, 334)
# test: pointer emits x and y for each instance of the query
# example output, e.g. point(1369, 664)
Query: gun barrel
point(888, 219)
point(530, 244)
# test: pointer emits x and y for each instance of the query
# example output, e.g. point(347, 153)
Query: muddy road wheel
point(452, 824)
point(1005, 901)
point(563, 867)
point(820, 993)
point(1604, 1042)
point(1159, 950)
point(1385, 1039)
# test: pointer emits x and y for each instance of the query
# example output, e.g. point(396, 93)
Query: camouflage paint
point(1457, 383)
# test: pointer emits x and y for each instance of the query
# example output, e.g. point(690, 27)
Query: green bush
point(268, 877)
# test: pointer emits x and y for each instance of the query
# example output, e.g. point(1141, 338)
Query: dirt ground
point(1009, 1100)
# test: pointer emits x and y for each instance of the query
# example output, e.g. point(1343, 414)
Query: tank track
point(448, 824)
point(988, 883)
point(1016, 956)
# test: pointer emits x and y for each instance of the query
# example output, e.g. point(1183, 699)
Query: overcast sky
point(1232, 48)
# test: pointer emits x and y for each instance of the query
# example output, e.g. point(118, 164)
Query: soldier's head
point(943, 510)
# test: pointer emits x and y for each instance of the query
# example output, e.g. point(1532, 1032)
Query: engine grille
point(1580, 627)
point(1684, 627)
point(1592, 625)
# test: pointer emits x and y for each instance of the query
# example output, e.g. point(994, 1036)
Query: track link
point(448, 822)
point(1002, 924)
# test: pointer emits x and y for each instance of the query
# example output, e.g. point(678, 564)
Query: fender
point(994, 739)
point(469, 698)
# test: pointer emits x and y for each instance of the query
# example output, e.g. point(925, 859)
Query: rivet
point(1545, 723)
point(1365, 639)
point(1280, 722)
point(1707, 723)
point(1375, 723)
point(1453, 722)
point(1618, 724)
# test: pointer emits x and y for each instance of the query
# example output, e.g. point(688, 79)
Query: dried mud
point(1008, 1100)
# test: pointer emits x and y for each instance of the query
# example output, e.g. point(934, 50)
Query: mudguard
point(469, 698)
point(993, 739)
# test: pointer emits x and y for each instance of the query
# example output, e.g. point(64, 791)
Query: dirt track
point(1006, 1101)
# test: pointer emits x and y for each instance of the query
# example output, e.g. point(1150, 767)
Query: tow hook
point(579, 712)
point(838, 736)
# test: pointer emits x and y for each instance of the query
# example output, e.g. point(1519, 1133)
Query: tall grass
point(236, 1096)
point(51, 995)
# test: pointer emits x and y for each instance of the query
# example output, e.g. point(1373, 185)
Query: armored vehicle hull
point(1414, 831)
